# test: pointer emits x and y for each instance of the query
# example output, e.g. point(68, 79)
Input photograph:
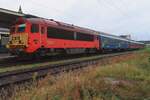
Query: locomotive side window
point(69, 35)
point(21, 28)
point(85, 37)
point(35, 28)
point(60, 33)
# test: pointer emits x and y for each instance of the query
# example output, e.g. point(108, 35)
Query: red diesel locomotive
point(41, 36)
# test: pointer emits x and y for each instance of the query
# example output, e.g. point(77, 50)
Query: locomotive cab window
point(34, 28)
point(21, 28)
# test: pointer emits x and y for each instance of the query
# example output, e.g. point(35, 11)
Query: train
point(41, 36)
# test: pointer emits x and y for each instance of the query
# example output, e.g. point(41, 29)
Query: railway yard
point(45, 59)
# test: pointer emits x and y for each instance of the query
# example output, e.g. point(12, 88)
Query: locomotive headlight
point(7, 46)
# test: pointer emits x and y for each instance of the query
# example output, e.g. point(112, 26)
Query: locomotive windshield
point(21, 28)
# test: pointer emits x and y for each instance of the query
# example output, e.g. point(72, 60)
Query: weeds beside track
point(124, 77)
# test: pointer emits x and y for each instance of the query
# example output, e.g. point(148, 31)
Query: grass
point(126, 77)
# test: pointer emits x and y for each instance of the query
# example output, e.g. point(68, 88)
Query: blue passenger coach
point(112, 42)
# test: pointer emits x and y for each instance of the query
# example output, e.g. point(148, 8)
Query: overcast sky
point(117, 17)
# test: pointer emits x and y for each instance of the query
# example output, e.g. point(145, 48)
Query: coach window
point(35, 28)
point(42, 30)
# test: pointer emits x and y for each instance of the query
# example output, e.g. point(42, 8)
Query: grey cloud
point(111, 16)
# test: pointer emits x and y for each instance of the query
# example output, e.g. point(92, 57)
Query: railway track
point(8, 62)
point(16, 76)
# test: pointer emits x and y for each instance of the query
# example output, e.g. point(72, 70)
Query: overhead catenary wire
point(121, 10)
point(58, 11)
point(111, 5)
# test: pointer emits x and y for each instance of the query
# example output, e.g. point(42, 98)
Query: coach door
point(43, 36)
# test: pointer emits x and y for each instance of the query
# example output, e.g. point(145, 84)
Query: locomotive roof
point(58, 24)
